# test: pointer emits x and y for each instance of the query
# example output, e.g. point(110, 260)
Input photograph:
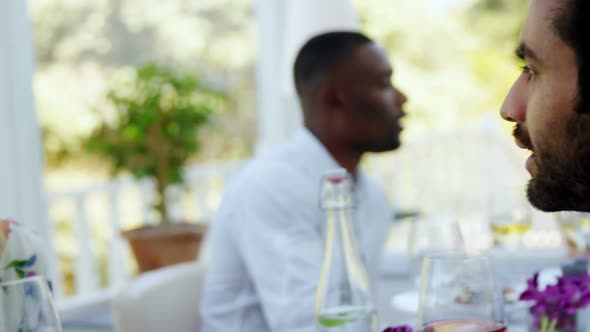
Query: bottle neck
point(344, 271)
point(340, 239)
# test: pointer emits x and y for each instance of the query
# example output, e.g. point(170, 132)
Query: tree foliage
point(83, 44)
point(153, 131)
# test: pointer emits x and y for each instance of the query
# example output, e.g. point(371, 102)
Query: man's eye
point(528, 71)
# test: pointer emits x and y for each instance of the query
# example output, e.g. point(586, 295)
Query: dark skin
point(354, 108)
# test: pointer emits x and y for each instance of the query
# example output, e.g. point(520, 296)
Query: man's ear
point(334, 113)
point(331, 96)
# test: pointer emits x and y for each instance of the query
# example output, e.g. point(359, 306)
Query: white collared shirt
point(266, 242)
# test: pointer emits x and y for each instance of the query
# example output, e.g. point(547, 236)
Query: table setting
point(538, 287)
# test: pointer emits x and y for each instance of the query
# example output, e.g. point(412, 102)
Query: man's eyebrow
point(524, 52)
point(384, 74)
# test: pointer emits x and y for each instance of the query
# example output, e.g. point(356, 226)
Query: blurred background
point(452, 58)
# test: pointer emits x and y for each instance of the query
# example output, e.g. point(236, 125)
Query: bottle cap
point(336, 189)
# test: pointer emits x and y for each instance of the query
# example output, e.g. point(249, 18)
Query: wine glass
point(458, 292)
point(431, 234)
point(510, 218)
point(575, 227)
point(27, 305)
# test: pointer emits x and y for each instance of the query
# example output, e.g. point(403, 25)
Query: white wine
point(510, 233)
point(511, 229)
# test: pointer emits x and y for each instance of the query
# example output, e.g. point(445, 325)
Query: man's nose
point(400, 100)
point(515, 105)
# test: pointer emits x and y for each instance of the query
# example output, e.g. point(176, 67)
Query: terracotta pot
point(158, 246)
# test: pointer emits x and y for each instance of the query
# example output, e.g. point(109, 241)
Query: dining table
point(397, 291)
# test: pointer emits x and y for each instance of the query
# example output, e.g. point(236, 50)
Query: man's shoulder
point(268, 174)
point(266, 168)
point(374, 187)
point(373, 183)
point(269, 187)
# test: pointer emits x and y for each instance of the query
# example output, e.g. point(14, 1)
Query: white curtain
point(21, 154)
point(283, 27)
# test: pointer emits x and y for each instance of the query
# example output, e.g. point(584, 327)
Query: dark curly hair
point(572, 25)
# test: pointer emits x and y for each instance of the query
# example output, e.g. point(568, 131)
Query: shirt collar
point(317, 159)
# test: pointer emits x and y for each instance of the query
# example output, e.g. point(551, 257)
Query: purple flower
point(402, 328)
point(559, 301)
point(531, 291)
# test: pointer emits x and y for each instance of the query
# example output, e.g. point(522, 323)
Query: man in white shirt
point(266, 243)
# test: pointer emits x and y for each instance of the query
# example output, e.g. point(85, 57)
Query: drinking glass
point(458, 292)
point(575, 227)
point(431, 234)
point(510, 217)
point(27, 305)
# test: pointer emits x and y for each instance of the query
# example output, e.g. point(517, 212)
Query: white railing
point(87, 224)
point(457, 173)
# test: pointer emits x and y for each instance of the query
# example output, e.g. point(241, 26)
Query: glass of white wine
point(510, 218)
point(575, 227)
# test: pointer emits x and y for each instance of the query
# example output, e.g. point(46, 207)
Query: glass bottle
point(343, 301)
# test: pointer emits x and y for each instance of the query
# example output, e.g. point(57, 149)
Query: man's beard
point(562, 179)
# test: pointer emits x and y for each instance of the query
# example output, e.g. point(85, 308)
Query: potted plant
point(152, 134)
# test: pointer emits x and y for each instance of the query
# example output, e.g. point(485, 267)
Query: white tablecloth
point(510, 267)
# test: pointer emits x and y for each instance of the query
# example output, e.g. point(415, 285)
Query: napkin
point(21, 252)
point(21, 256)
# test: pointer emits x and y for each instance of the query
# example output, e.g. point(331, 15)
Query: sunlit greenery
point(152, 131)
point(83, 44)
point(454, 63)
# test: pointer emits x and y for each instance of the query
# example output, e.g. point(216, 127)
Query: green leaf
point(15, 264)
point(20, 273)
